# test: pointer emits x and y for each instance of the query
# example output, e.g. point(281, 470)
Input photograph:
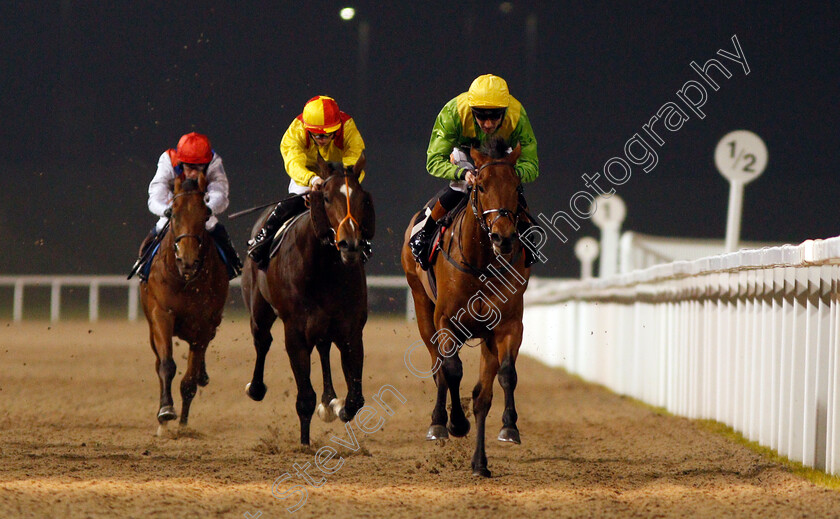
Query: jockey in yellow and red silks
point(486, 110)
point(320, 129)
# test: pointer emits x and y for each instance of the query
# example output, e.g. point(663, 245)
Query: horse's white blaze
point(346, 190)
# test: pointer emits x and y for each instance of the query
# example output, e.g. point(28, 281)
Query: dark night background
point(93, 92)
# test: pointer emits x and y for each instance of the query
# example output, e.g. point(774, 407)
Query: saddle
point(429, 280)
point(149, 256)
point(280, 235)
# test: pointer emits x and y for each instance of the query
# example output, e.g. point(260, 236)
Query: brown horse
point(316, 284)
point(184, 296)
point(480, 283)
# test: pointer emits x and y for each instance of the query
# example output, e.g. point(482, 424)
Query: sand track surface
point(77, 439)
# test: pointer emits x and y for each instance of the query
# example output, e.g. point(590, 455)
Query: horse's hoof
point(483, 472)
point(166, 414)
point(203, 379)
point(328, 413)
point(255, 391)
point(509, 434)
point(458, 431)
point(437, 432)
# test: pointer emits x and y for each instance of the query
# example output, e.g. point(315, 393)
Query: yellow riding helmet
point(321, 115)
point(489, 91)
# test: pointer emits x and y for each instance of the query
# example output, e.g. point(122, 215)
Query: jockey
point(466, 121)
point(321, 129)
point(192, 157)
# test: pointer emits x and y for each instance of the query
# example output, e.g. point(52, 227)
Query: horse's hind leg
point(299, 357)
point(262, 317)
point(189, 383)
point(330, 405)
point(482, 399)
point(352, 359)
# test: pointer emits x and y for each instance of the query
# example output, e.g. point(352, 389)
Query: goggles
point(322, 136)
point(491, 114)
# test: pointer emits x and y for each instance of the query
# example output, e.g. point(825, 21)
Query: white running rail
point(94, 283)
point(749, 339)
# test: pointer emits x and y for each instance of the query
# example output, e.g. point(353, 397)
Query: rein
point(348, 216)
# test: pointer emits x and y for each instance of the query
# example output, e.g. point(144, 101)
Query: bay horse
point(316, 284)
point(184, 296)
point(481, 279)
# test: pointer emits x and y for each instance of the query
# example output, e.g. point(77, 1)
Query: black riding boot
point(141, 255)
point(220, 235)
point(259, 245)
point(420, 243)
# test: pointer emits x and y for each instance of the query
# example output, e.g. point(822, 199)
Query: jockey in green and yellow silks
point(487, 109)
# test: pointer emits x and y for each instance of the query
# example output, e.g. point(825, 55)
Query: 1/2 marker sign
point(741, 156)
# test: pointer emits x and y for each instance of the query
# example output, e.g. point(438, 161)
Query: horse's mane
point(189, 184)
point(495, 147)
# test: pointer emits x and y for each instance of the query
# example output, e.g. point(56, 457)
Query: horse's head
point(495, 197)
point(342, 212)
point(189, 215)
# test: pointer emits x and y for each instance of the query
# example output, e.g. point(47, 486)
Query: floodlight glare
point(347, 13)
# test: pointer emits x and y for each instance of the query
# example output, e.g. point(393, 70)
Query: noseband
point(500, 212)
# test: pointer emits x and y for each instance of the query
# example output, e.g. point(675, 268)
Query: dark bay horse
point(184, 296)
point(316, 284)
point(481, 278)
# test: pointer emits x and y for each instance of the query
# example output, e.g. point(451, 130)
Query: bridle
point(187, 235)
point(500, 212)
point(349, 216)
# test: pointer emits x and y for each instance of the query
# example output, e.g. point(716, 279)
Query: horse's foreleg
point(507, 351)
point(299, 357)
point(161, 338)
point(482, 400)
point(352, 359)
point(189, 383)
point(453, 372)
point(329, 405)
point(262, 317)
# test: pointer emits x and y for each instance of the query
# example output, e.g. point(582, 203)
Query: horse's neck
point(475, 244)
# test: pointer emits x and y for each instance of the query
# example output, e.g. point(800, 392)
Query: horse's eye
point(326, 199)
point(481, 188)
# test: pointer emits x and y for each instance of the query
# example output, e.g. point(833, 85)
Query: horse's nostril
point(495, 237)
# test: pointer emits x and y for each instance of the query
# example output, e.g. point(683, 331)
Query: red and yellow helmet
point(321, 115)
point(488, 91)
point(194, 148)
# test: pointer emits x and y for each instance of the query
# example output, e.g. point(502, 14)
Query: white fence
point(638, 251)
point(94, 283)
point(749, 339)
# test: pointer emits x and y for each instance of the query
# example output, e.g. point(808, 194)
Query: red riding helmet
point(194, 148)
point(321, 115)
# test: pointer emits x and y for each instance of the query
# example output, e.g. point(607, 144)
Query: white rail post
point(93, 301)
point(608, 214)
point(55, 301)
point(133, 295)
point(17, 306)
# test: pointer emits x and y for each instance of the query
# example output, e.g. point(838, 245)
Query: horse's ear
point(477, 157)
point(359, 165)
point(323, 167)
point(513, 156)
